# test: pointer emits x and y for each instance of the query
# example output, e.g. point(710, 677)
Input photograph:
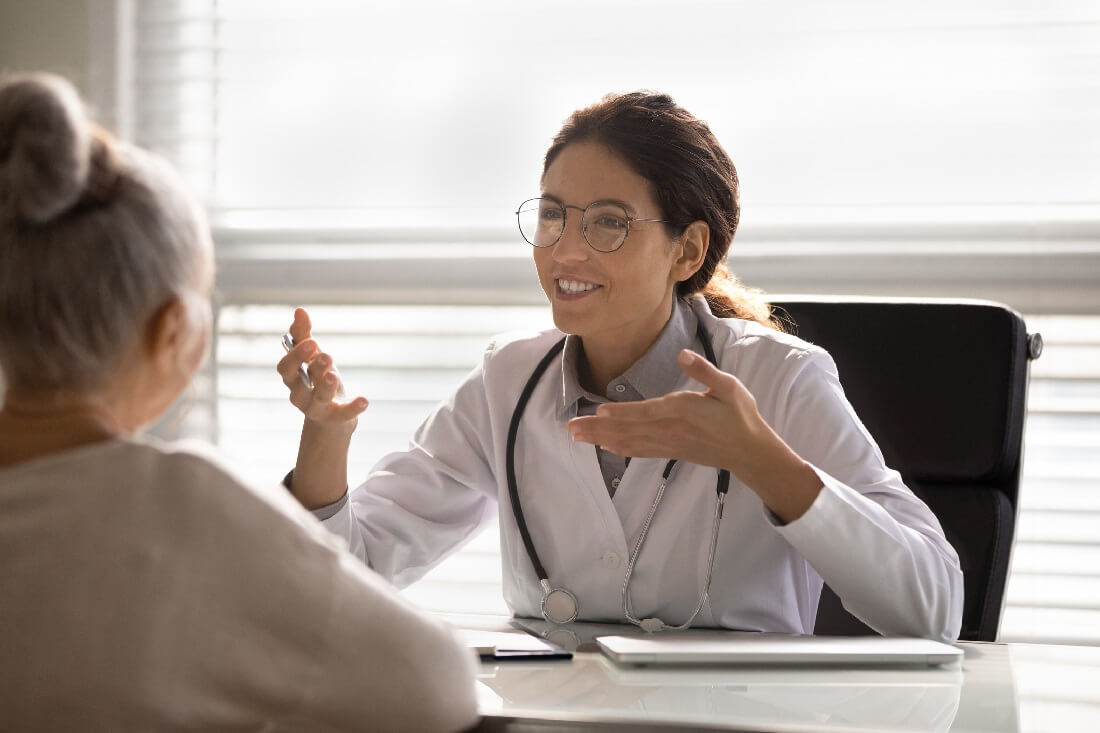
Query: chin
point(568, 324)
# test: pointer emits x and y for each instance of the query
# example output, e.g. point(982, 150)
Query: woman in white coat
point(666, 455)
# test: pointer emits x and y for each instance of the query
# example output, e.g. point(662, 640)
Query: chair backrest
point(942, 387)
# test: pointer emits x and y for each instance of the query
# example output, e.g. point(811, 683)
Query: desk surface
point(998, 687)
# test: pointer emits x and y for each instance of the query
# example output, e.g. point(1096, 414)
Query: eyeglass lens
point(542, 221)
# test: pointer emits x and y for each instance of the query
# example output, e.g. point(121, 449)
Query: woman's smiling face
point(623, 296)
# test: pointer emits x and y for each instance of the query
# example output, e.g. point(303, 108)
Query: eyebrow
point(629, 209)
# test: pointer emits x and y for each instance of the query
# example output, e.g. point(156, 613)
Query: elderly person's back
point(143, 586)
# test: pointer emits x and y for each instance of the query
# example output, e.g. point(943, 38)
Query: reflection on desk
point(823, 699)
point(998, 687)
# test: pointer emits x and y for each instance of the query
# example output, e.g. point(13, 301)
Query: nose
point(572, 246)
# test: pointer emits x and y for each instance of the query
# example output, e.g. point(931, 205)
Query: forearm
point(321, 472)
point(785, 483)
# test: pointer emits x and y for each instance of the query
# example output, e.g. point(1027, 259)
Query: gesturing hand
point(719, 427)
point(325, 403)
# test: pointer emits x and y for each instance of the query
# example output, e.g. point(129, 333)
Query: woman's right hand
point(324, 403)
point(321, 472)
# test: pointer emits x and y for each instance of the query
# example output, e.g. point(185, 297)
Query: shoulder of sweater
point(193, 477)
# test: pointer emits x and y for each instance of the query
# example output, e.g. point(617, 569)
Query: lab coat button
point(611, 560)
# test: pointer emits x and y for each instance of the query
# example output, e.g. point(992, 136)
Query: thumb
point(302, 328)
point(719, 384)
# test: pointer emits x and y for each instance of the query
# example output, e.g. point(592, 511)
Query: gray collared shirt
point(655, 374)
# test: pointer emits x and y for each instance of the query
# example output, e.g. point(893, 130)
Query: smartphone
point(303, 374)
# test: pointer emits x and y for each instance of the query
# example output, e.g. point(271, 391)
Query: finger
point(682, 405)
point(350, 410)
point(651, 409)
point(637, 445)
point(289, 364)
point(320, 367)
point(302, 328)
point(615, 434)
point(718, 383)
point(325, 387)
point(301, 396)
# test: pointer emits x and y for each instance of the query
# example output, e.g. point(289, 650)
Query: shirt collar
point(655, 374)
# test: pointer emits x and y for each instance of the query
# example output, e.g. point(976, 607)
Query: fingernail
point(686, 357)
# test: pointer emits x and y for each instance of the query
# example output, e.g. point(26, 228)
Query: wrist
point(785, 483)
point(329, 430)
point(320, 473)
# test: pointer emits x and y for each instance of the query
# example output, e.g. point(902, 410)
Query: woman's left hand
point(720, 427)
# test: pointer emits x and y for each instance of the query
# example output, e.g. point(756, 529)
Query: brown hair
point(693, 179)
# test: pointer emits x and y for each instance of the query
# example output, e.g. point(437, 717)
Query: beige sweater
point(144, 588)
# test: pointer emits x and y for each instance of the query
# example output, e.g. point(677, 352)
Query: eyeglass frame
point(564, 220)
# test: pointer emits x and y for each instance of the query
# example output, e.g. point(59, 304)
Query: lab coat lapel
point(587, 467)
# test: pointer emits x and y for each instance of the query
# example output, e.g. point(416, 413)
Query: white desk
point(998, 687)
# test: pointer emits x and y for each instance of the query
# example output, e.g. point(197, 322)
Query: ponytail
point(728, 298)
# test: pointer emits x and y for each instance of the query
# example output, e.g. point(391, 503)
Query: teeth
point(575, 286)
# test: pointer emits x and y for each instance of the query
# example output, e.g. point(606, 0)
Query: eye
point(610, 222)
point(550, 213)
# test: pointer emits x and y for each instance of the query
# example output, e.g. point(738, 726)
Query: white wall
point(49, 35)
point(86, 41)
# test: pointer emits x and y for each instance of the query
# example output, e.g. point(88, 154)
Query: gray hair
point(95, 236)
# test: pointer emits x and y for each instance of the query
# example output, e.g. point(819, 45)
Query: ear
point(693, 246)
point(175, 338)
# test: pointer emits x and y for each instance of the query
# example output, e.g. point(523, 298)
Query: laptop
point(762, 649)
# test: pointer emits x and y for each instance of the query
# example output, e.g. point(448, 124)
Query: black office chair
point(942, 387)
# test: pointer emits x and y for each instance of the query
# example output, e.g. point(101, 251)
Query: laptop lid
point(761, 649)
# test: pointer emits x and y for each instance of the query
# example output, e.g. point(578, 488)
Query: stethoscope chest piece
point(559, 606)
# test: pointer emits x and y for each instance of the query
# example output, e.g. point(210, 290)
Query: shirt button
point(615, 482)
point(620, 388)
point(611, 560)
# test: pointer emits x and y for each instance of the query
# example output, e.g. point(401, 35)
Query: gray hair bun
point(46, 145)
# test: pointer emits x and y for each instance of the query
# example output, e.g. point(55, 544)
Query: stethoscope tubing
point(521, 523)
point(513, 431)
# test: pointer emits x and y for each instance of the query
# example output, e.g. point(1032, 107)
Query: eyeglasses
point(605, 224)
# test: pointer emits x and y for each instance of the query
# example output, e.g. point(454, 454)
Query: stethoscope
point(559, 606)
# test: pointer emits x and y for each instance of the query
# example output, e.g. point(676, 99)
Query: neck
point(33, 425)
point(605, 356)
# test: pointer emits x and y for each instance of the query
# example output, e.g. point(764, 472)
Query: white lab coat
point(878, 546)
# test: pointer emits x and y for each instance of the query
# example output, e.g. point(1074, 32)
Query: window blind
point(1054, 585)
point(367, 158)
point(434, 113)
